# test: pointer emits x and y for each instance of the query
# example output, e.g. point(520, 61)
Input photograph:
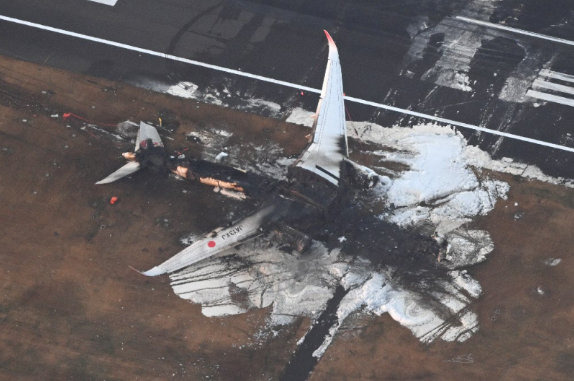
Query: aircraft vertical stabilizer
point(145, 132)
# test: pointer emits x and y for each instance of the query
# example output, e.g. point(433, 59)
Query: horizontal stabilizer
point(211, 245)
point(126, 170)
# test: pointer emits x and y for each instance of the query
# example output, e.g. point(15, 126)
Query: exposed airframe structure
point(144, 133)
point(321, 159)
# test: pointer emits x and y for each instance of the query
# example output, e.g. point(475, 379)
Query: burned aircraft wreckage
point(323, 199)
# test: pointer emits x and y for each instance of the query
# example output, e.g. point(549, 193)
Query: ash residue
point(302, 362)
point(395, 245)
point(344, 219)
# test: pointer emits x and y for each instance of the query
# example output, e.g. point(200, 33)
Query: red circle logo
point(211, 244)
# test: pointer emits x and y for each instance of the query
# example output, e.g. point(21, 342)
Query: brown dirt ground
point(523, 335)
point(70, 308)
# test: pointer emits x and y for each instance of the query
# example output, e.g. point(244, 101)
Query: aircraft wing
point(225, 239)
point(329, 145)
point(145, 132)
point(126, 170)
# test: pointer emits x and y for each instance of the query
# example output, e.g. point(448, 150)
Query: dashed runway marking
point(516, 30)
point(551, 98)
point(111, 3)
point(556, 75)
point(547, 85)
point(545, 89)
point(282, 83)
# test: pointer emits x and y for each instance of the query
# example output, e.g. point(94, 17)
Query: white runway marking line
point(543, 84)
point(556, 75)
point(111, 3)
point(283, 83)
point(516, 30)
point(550, 98)
point(462, 124)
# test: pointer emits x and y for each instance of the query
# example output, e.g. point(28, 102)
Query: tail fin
point(145, 132)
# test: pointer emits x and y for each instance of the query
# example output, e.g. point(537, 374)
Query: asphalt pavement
point(414, 55)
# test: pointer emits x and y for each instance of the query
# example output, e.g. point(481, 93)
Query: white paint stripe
point(554, 74)
point(542, 84)
point(516, 30)
point(157, 54)
point(550, 98)
point(111, 3)
point(462, 124)
point(283, 83)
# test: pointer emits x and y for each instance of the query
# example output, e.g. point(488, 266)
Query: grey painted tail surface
point(329, 145)
point(145, 132)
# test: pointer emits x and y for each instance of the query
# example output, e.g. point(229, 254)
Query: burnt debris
point(309, 207)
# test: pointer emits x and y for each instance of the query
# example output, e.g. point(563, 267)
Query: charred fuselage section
point(342, 218)
point(309, 207)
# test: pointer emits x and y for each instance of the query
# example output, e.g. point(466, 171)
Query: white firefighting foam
point(438, 187)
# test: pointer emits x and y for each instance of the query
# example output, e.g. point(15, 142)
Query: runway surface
point(426, 59)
